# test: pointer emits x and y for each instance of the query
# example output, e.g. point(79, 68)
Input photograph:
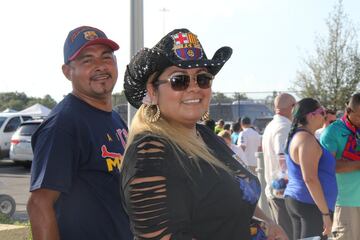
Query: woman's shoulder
point(305, 140)
point(148, 137)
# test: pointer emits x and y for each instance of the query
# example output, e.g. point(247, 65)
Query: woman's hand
point(275, 232)
point(327, 225)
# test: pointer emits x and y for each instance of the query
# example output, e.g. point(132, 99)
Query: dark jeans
point(306, 219)
point(280, 215)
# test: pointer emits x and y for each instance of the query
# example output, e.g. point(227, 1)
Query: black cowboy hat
point(179, 48)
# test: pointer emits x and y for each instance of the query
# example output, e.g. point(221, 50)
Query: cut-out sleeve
point(157, 206)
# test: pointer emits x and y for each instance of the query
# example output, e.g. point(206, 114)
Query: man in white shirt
point(273, 145)
point(250, 142)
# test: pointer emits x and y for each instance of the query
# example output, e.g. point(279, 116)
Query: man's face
point(354, 116)
point(330, 118)
point(93, 72)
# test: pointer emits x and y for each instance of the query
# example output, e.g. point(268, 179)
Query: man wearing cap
point(75, 178)
point(342, 139)
point(273, 146)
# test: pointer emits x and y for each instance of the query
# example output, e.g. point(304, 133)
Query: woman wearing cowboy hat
point(180, 181)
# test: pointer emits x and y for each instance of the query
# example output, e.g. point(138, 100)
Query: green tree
point(219, 97)
point(239, 96)
point(19, 101)
point(47, 101)
point(13, 100)
point(332, 74)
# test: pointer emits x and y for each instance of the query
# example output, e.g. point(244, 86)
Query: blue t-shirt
point(234, 138)
point(296, 187)
point(334, 139)
point(77, 151)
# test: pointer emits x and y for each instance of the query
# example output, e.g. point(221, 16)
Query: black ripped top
point(196, 203)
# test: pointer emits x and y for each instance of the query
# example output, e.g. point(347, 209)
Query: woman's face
point(185, 106)
point(318, 117)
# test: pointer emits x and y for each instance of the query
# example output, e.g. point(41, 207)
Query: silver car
point(20, 149)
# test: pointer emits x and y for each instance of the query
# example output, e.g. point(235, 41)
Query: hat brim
point(148, 61)
point(214, 65)
point(104, 41)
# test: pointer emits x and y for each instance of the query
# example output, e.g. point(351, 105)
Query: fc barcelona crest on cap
point(187, 46)
point(90, 35)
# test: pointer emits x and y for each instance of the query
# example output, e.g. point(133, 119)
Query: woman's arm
point(309, 153)
point(274, 231)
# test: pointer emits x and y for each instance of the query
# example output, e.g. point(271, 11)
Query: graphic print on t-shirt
point(250, 188)
point(113, 159)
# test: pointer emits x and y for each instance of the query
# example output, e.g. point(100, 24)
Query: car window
point(28, 129)
point(12, 125)
point(2, 120)
point(25, 118)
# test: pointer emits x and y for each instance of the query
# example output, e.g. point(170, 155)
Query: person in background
point(250, 142)
point(219, 126)
point(235, 127)
point(75, 188)
point(226, 136)
point(273, 146)
point(329, 119)
point(342, 139)
point(180, 180)
point(311, 192)
point(227, 127)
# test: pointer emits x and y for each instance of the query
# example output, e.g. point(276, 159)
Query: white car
point(20, 149)
point(9, 122)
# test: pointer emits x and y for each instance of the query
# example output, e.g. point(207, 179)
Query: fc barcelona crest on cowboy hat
point(179, 48)
point(187, 46)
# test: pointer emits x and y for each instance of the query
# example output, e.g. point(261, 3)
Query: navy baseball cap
point(82, 37)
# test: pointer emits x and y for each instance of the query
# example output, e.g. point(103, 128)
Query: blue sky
point(269, 37)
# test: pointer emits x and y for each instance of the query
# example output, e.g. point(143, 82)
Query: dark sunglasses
point(320, 111)
point(180, 82)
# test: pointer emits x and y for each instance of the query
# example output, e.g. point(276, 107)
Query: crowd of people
point(175, 173)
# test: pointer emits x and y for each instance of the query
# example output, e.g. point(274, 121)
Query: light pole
point(136, 38)
point(164, 10)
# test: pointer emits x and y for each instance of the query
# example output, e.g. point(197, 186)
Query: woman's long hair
point(300, 110)
point(174, 133)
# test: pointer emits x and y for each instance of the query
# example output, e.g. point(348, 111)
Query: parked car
point(20, 149)
point(9, 122)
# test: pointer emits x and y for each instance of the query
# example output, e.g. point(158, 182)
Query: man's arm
point(41, 211)
point(344, 165)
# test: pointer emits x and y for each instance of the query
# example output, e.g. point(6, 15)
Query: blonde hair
point(193, 147)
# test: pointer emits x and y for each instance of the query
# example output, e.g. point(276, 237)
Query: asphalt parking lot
point(14, 181)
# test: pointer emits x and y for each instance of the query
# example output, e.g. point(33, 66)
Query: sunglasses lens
point(204, 80)
point(180, 82)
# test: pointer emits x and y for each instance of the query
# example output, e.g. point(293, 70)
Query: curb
point(14, 232)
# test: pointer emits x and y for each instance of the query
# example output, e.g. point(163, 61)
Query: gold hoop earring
point(205, 116)
point(151, 113)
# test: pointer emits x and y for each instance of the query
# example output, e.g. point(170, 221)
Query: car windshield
point(2, 120)
point(28, 129)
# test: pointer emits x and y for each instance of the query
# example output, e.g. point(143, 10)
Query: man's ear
point(66, 71)
point(348, 110)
